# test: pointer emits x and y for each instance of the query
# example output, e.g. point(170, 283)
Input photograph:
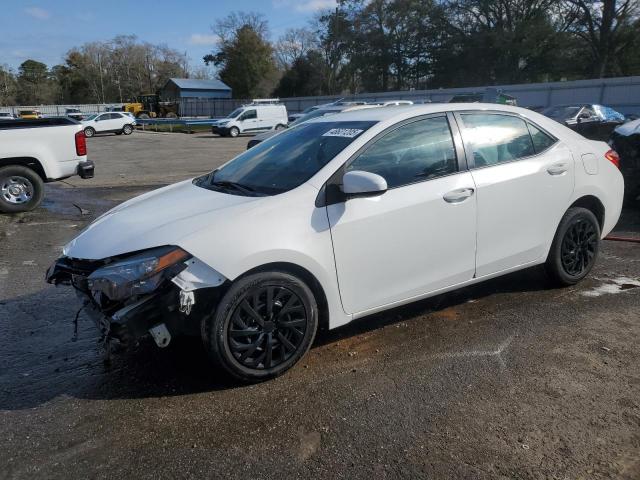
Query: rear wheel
point(127, 129)
point(234, 132)
point(280, 127)
point(575, 247)
point(21, 189)
point(89, 132)
point(263, 325)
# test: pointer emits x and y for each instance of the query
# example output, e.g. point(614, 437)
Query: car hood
point(160, 217)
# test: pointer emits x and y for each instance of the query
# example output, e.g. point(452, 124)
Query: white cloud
point(37, 12)
point(305, 5)
point(203, 39)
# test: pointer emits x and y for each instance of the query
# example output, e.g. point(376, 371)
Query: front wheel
point(21, 189)
point(234, 132)
point(263, 325)
point(89, 132)
point(127, 129)
point(280, 127)
point(575, 247)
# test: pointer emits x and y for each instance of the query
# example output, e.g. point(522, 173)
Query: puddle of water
point(612, 286)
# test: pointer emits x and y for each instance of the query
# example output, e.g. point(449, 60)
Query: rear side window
point(496, 139)
point(541, 140)
point(114, 116)
point(411, 153)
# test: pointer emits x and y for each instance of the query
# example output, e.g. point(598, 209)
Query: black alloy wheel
point(579, 247)
point(264, 323)
point(267, 328)
point(574, 248)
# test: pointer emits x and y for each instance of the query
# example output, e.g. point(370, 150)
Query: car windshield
point(562, 112)
point(285, 161)
point(235, 113)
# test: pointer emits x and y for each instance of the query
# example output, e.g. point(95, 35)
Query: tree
point(8, 86)
point(293, 45)
point(35, 86)
point(304, 78)
point(607, 29)
point(244, 57)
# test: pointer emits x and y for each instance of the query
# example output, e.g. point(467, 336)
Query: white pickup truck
point(33, 152)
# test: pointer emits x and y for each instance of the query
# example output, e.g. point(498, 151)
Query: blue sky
point(45, 30)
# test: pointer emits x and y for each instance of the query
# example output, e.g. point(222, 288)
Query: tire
point(234, 132)
point(89, 132)
point(21, 189)
point(575, 247)
point(240, 345)
point(279, 127)
point(127, 129)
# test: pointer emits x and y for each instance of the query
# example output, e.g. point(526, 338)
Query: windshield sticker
point(343, 132)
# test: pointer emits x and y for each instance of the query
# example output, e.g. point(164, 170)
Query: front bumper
point(129, 320)
point(86, 169)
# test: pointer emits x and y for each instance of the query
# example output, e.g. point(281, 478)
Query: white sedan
point(341, 217)
point(108, 122)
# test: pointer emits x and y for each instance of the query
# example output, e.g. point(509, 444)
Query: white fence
point(622, 94)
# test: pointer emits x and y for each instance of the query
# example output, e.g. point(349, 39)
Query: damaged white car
point(339, 218)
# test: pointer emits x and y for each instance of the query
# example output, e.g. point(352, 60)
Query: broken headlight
point(137, 275)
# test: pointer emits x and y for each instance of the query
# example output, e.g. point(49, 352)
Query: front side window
point(103, 117)
point(284, 161)
point(496, 139)
point(248, 115)
point(414, 152)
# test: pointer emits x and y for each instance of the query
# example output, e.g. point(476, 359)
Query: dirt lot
point(508, 379)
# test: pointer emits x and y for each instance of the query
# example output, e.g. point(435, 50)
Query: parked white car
point(252, 119)
point(108, 122)
point(341, 217)
point(6, 116)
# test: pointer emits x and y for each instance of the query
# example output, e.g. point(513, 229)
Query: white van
point(252, 118)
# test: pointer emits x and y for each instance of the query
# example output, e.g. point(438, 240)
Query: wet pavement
point(506, 379)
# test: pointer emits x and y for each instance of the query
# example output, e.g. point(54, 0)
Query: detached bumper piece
point(161, 313)
point(86, 169)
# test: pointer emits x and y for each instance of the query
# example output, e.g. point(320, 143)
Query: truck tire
point(21, 189)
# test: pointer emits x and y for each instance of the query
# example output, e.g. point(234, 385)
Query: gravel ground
point(506, 379)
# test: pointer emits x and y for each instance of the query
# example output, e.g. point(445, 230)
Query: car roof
point(407, 111)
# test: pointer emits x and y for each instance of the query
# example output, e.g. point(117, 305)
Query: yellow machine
point(29, 114)
point(150, 106)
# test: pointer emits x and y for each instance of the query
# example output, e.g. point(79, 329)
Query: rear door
point(417, 237)
point(524, 179)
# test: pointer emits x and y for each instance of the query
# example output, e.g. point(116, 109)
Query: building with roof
point(181, 88)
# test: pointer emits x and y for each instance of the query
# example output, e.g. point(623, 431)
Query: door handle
point(457, 196)
point(557, 169)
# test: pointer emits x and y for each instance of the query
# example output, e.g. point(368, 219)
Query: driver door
point(249, 121)
point(417, 237)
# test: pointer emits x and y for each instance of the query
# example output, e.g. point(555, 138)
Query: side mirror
point(358, 183)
